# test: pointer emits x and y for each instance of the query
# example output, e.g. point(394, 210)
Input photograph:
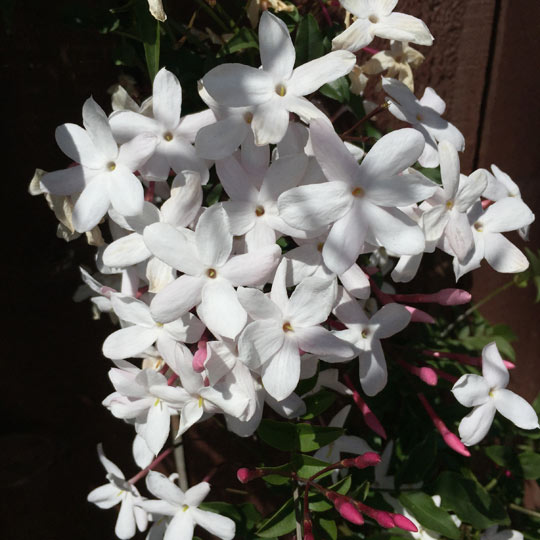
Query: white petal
point(136, 152)
point(157, 426)
point(181, 527)
point(91, 206)
point(474, 427)
point(195, 495)
point(218, 141)
point(471, 390)
point(349, 311)
point(400, 190)
point(406, 268)
point(242, 217)
point(132, 310)
point(508, 214)
point(213, 236)
point(176, 298)
point(502, 255)
point(284, 173)
point(174, 247)
point(162, 488)
point(142, 455)
point(403, 27)
point(187, 329)
point(125, 191)
point(236, 181)
point(97, 125)
point(302, 262)
point(220, 526)
point(311, 301)
point(433, 100)
point(75, 142)
point(355, 281)
point(373, 370)
point(127, 124)
point(125, 523)
point(126, 251)
point(190, 415)
point(220, 309)
point(312, 207)
point(105, 496)
point(128, 342)
point(167, 99)
point(257, 304)
point(236, 85)
point(493, 368)
point(191, 124)
point(358, 35)
point(108, 465)
point(184, 203)
point(276, 48)
point(251, 269)
point(270, 122)
point(281, 374)
point(390, 319)
point(312, 75)
point(515, 408)
point(459, 234)
point(259, 342)
point(320, 341)
point(435, 220)
point(65, 181)
point(392, 154)
point(394, 230)
point(470, 189)
point(353, 445)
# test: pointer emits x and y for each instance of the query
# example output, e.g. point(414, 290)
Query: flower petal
point(126, 251)
point(515, 408)
point(136, 152)
point(270, 122)
point(220, 526)
point(176, 298)
point(401, 27)
point(132, 310)
point(358, 35)
point(157, 426)
point(471, 390)
point(319, 340)
point(218, 141)
point(259, 342)
point(252, 269)
point(97, 125)
point(474, 427)
point(166, 99)
point(390, 319)
point(125, 191)
point(125, 527)
point(502, 255)
point(373, 370)
point(311, 301)
point(128, 342)
point(75, 142)
point(276, 48)
point(281, 374)
point(91, 206)
point(493, 368)
point(195, 495)
point(213, 236)
point(181, 527)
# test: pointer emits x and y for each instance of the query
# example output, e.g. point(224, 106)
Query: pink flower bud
point(384, 519)
point(455, 444)
point(404, 523)
point(369, 459)
point(245, 475)
point(348, 511)
point(453, 297)
point(199, 358)
point(417, 315)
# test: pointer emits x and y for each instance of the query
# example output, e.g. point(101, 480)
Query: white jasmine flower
point(492, 533)
point(105, 174)
point(425, 116)
point(210, 273)
point(375, 18)
point(182, 507)
point(446, 214)
point(173, 134)
point(360, 200)
point(283, 325)
point(365, 336)
point(277, 89)
point(487, 394)
point(119, 491)
point(505, 215)
point(144, 330)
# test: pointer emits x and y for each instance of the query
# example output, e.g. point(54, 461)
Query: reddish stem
point(149, 195)
point(144, 472)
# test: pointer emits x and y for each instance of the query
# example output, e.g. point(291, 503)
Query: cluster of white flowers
point(222, 319)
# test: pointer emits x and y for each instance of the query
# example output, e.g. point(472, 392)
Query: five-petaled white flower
point(487, 394)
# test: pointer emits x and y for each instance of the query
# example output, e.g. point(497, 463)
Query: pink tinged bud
point(199, 358)
point(369, 459)
point(417, 315)
point(172, 379)
point(245, 475)
point(308, 528)
point(453, 297)
point(384, 519)
point(404, 523)
point(107, 291)
point(369, 418)
point(449, 438)
point(206, 382)
point(425, 373)
point(464, 358)
point(486, 203)
point(348, 511)
point(141, 291)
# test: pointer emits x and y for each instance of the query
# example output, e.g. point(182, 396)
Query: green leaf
point(329, 527)
point(318, 403)
point(302, 437)
point(150, 32)
point(280, 435)
point(530, 464)
point(244, 38)
point(306, 466)
point(307, 385)
point(312, 438)
point(281, 523)
point(504, 456)
point(470, 501)
point(308, 42)
point(278, 479)
point(337, 90)
point(422, 507)
point(418, 462)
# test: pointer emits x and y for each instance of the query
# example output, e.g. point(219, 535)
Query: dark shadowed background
point(484, 63)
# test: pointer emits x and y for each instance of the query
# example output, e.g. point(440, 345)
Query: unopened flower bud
point(369, 459)
point(348, 511)
point(245, 475)
point(404, 523)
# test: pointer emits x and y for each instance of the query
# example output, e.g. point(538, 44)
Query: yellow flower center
point(478, 226)
point(281, 90)
point(287, 327)
point(168, 136)
point(211, 273)
point(259, 211)
point(111, 166)
point(358, 192)
point(373, 19)
point(248, 118)
point(449, 205)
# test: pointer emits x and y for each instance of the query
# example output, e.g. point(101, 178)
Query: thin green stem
point(526, 511)
point(476, 306)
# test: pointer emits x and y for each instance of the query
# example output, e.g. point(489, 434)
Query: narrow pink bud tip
point(455, 444)
point(453, 297)
point(349, 512)
point(199, 358)
point(309, 536)
point(245, 475)
point(508, 474)
point(486, 203)
point(428, 375)
point(417, 315)
point(369, 459)
point(509, 365)
point(404, 523)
